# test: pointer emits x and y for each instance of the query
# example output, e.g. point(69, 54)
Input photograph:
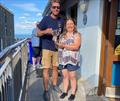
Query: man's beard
point(56, 15)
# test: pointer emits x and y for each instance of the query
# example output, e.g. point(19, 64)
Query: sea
point(22, 36)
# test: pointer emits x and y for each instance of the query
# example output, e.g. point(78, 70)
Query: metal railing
point(13, 66)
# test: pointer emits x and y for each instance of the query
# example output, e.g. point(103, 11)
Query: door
point(109, 44)
point(74, 12)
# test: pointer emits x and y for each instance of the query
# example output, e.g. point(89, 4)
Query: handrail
point(8, 49)
point(13, 71)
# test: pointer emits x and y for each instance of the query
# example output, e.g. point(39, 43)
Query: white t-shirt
point(35, 39)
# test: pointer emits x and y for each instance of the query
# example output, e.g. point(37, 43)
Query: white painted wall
point(91, 41)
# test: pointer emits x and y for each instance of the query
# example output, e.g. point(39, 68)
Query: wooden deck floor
point(34, 89)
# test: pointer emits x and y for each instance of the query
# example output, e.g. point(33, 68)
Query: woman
point(36, 50)
point(69, 45)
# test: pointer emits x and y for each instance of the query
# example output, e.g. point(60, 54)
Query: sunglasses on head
point(56, 7)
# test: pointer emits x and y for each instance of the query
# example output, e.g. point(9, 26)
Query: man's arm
point(43, 32)
point(42, 28)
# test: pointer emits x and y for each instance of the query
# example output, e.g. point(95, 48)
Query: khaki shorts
point(49, 58)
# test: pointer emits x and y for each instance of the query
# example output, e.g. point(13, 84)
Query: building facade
point(98, 21)
point(6, 27)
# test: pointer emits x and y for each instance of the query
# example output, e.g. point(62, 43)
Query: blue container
point(30, 52)
point(116, 73)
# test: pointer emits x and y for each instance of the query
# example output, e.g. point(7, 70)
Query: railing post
point(10, 89)
point(10, 84)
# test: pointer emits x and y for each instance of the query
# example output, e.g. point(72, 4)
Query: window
point(117, 34)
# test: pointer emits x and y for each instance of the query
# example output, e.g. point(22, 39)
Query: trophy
point(55, 38)
point(56, 34)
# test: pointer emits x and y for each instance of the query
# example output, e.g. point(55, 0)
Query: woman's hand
point(60, 45)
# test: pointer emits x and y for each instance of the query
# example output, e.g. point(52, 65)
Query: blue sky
point(26, 13)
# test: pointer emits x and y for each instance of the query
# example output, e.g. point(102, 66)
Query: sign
point(117, 50)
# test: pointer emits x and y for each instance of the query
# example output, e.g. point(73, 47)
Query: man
point(48, 25)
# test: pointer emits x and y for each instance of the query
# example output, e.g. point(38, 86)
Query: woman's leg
point(38, 60)
point(73, 81)
point(65, 83)
point(34, 61)
point(38, 53)
point(65, 79)
point(34, 56)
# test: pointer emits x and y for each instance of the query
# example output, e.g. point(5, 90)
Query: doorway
point(73, 11)
point(108, 57)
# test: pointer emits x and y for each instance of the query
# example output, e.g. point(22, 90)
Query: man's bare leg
point(45, 78)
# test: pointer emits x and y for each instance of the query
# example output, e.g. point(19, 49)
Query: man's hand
point(49, 31)
point(43, 32)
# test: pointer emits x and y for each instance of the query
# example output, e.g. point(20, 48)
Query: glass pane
point(117, 34)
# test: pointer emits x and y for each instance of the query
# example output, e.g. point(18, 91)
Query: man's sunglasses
point(56, 7)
